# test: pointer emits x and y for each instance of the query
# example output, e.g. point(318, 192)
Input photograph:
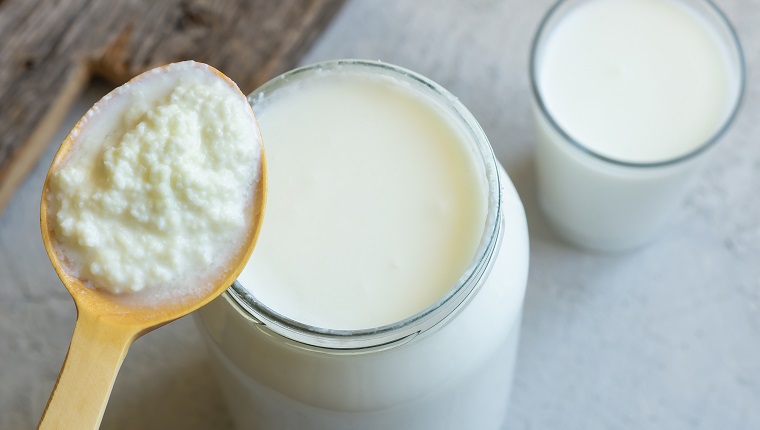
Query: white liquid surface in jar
point(636, 80)
point(376, 205)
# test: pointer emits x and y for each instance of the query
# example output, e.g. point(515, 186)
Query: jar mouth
point(725, 31)
point(383, 336)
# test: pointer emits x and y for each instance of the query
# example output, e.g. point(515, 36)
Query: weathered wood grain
point(49, 49)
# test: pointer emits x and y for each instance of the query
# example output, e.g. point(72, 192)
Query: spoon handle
point(95, 355)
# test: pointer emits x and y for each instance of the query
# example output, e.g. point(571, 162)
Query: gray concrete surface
point(667, 337)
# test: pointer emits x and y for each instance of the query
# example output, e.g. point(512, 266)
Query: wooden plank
point(49, 49)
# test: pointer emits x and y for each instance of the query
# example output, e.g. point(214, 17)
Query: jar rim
point(720, 24)
point(407, 328)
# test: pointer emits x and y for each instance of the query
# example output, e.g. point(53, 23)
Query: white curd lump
point(158, 187)
point(376, 202)
point(637, 80)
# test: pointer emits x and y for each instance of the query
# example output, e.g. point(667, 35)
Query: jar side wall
point(255, 406)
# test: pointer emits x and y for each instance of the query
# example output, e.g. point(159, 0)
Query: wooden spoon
point(106, 326)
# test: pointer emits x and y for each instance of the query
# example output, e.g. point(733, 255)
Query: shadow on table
point(185, 397)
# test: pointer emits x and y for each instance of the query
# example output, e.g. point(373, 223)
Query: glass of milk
point(386, 288)
point(628, 98)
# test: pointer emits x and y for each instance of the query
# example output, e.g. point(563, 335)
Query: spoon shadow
point(175, 386)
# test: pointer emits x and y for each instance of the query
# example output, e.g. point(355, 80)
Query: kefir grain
point(158, 190)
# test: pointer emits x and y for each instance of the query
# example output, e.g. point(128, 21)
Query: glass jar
point(601, 202)
point(447, 367)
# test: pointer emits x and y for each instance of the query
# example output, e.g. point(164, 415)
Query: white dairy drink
point(387, 285)
point(392, 174)
point(628, 93)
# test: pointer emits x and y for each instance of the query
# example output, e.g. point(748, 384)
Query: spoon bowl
point(108, 323)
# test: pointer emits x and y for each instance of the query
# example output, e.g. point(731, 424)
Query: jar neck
point(403, 331)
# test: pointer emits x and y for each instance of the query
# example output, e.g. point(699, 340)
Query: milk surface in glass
point(387, 285)
point(628, 93)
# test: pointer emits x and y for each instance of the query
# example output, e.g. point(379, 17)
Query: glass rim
point(371, 338)
point(710, 142)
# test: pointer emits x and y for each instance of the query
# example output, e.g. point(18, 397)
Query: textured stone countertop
point(666, 337)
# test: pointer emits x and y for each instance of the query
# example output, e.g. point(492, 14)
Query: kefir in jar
point(386, 288)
